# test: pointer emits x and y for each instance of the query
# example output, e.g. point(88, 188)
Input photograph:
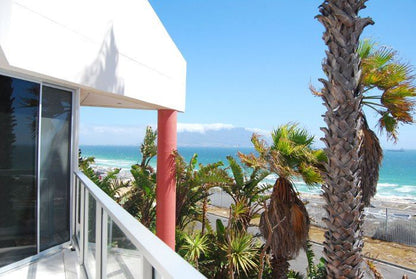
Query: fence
point(394, 225)
point(112, 243)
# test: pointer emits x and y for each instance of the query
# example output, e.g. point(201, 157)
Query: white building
point(56, 56)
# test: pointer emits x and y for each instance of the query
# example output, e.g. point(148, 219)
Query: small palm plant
point(194, 247)
point(246, 191)
point(289, 156)
point(241, 251)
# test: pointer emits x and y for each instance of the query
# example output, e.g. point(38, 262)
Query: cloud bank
point(195, 134)
point(202, 128)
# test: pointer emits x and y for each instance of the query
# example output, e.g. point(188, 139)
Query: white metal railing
point(111, 242)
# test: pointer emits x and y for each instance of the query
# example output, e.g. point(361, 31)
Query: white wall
point(100, 46)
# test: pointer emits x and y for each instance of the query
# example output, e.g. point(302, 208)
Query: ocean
point(397, 174)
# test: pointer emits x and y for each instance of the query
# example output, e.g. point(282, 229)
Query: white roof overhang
point(116, 52)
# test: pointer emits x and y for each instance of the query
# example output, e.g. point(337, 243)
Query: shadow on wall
point(102, 73)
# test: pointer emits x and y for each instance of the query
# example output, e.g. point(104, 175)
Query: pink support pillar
point(166, 180)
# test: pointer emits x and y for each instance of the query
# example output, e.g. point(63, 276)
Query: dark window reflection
point(19, 101)
point(55, 166)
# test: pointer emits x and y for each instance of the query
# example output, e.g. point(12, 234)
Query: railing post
point(82, 224)
point(146, 269)
point(98, 240)
point(104, 243)
point(73, 196)
point(85, 226)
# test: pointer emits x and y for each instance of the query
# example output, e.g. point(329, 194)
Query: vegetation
point(192, 189)
point(110, 184)
point(228, 250)
point(342, 98)
point(286, 221)
point(388, 88)
point(141, 196)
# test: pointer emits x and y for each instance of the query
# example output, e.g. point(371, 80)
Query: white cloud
point(110, 135)
point(261, 132)
point(202, 128)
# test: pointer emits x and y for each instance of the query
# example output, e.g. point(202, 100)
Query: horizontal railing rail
point(104, 231)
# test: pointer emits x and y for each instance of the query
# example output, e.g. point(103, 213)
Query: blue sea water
point(397, 174)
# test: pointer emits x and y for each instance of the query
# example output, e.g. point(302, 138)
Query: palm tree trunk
point(342, 192)
point(280, 267)
point(204, 212)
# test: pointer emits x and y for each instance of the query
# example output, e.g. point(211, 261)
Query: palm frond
point(391, 83)
point(236, 170)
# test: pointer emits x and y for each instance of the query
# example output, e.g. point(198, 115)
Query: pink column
point(166, 180)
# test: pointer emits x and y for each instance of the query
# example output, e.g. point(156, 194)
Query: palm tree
point(388, 88)
point(342, 98)
point(286, 219)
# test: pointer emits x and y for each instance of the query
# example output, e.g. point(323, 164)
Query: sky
point(249, 65)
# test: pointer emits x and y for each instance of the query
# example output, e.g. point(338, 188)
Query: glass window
point(55, 147)
point(19, 102)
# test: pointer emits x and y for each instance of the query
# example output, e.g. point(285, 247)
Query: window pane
point(124, 261)
point(55, 157)
point(19, 101)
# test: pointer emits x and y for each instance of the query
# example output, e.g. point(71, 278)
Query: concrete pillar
point(166, 180)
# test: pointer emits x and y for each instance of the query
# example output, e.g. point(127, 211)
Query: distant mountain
point(226, 137)
point(189, 134)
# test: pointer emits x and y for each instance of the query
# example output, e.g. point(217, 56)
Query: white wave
point(402, 197)
point(387, 185)
point(406, 189)
point(114, 163)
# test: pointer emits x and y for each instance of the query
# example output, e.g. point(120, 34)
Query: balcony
point(108, 243)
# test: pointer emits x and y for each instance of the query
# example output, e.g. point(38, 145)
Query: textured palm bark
point(280, 267)
point(342, 191)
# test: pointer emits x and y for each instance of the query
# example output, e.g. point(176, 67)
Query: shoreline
point(378, 200)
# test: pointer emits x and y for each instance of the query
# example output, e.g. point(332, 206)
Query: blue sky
point(250, 64)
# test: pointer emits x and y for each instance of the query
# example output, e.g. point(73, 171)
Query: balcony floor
point(61, 265)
